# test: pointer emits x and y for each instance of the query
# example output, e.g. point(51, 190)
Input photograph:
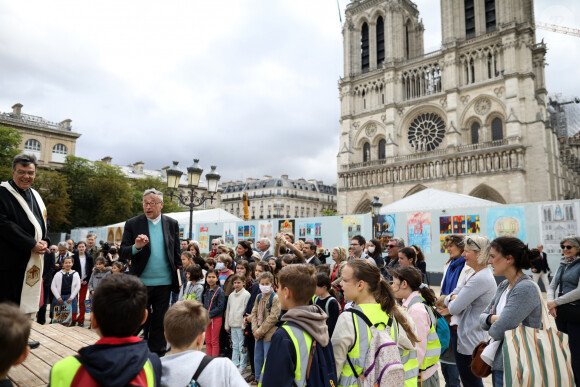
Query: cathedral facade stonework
point(470, 118)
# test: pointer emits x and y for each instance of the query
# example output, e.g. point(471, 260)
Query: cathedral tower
point(469, 118)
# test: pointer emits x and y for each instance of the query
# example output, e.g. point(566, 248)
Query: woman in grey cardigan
point(467, 302)
point(517, 300)
point(565, 289)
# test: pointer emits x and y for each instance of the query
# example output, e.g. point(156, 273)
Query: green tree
point(140, 185)
point(329, 212)
point(10, 139)
point(100, 193)
point(53, 187)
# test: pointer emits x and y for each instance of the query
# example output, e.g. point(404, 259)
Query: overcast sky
point(247, 85)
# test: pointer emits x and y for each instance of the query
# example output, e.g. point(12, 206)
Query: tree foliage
point(100, 193)
point(53, 187)
point(10, 139)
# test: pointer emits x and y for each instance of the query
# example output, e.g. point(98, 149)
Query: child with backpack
point(119, 358)
point(374, 322)
point(419, 301)
point(303, 354)
point(186, 365)
point(265, 315)
point(326, 298)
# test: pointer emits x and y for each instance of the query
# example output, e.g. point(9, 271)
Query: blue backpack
point(442, 329)
point(321, 371)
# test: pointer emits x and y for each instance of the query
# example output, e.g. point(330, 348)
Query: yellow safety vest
point(65, 370)
point(358, 353)
point(433, 351)
point(302, 342)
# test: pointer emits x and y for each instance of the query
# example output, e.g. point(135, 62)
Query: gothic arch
point(415, 112)
point(377, 13)
point(363, 207)
point(360, 136)
point(484, 191)
point(469, 110)
point(415, 189)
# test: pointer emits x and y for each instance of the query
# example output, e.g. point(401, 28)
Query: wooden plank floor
point(56, 342)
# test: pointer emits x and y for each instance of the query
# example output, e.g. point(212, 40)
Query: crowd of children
point(292, 322)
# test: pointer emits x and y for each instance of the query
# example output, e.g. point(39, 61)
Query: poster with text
point(473, 224)
point(459, 224)
point(203, 237)
point(557, 221)
point(265, 230)
point(419, 229)
point(445, 226)
point(286, 225)
point(506, 221)
point(351, 226)
point(229, 234)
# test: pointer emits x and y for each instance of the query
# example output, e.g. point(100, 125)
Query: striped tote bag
point(537, 357)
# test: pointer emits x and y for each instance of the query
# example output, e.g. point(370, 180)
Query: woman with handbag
point(516, 301)
point(467, 302)
point(564, 296)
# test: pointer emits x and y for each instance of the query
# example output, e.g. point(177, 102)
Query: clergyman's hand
point(39, 248)
point(141, 241)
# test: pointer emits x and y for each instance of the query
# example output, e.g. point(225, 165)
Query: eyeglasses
point(214, 244)
point(389, 246)
point(471, 241)
point(566, 247)
point(150, 204)
point(20, 172)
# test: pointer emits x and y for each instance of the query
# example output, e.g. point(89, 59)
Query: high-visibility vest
point(63, 373)
point(433, 351)
point(358, 353)
point(302, 342)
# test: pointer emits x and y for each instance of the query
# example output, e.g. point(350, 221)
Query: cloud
point(247, 85)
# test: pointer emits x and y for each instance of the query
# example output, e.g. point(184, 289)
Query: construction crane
point(559, 29)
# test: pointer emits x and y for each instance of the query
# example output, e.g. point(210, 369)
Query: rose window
point(426, 132)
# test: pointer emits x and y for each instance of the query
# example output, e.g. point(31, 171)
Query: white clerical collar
point(156, 220)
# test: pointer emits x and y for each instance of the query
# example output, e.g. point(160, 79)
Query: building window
point(407, 40)
point(489, 15)
point(366, 152)
point(364, 46)
point(470, 19)
point(475, 133)
point(59, 153)
point(382, 149)
point(380, 41)
point(32, 145)
point(496, 129)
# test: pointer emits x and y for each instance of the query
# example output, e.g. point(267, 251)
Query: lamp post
point(375, 208)
point(192, 199)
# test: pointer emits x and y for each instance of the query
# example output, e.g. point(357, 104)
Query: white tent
point(216, 215)
point(434, 199)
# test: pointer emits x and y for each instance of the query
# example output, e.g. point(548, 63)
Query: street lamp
point(375, 208)
point(191, 199)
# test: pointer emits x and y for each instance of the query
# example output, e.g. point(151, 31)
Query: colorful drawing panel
point(506, 221)
point(286, 225)
point(419, 230)
point(459, 224)
point(445, 225)
point(442, 245)
point(473, 224)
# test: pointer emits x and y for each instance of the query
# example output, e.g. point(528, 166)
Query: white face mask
point(265, 288)
point(220, 266)
point(371, 249)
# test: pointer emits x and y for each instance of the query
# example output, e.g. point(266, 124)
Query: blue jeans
point(451, 374)
point(260, 353)
point(497, 378)
point(239, 352)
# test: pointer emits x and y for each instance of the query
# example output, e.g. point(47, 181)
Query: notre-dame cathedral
point(470, 118)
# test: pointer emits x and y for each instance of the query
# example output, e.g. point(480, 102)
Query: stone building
point(48, 141)
point(469, 118)
point(271, 198)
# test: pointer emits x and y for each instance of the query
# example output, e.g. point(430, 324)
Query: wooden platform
point(56, 342)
